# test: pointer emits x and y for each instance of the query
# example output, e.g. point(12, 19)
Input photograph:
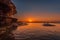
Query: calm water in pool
point(36, 31)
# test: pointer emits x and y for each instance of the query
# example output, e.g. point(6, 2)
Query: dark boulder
point(7, 9)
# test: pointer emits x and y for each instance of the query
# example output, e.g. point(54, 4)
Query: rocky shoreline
point(7, 23)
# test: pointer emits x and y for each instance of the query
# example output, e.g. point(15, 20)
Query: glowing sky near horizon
point(39, 10)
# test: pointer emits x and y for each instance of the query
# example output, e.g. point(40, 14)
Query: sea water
point(36, 31)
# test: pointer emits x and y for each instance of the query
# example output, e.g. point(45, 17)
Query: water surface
point(36, 31)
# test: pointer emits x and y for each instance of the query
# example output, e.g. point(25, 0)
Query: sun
point(30, 20)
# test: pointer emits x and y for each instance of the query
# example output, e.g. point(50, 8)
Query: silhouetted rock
point(7, 7)
point(7, 23)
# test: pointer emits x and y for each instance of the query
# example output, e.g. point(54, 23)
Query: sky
point(38, 10)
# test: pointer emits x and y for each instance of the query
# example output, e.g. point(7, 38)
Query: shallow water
point(36, 31)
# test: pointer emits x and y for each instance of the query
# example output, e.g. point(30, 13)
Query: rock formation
point(7, 8)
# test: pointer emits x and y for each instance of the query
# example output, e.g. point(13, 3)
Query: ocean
point(36, 31)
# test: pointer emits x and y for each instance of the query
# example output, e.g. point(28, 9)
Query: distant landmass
point(41, 21)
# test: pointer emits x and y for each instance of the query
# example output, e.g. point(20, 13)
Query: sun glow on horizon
point(30, 20)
